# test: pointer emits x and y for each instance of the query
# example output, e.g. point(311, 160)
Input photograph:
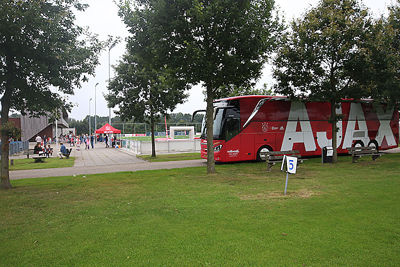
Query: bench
point(36, 157)
point(361, 151)
point(272, 157)
point(28, 152)
point(39, 157)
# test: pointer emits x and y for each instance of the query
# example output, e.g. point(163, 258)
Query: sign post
point(289, 164)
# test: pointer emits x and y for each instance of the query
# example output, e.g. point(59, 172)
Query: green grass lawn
point(171, 157)
point(334, 215)
point(29, 164)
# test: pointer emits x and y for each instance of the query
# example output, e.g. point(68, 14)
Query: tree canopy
point(382, 58)
point(219, 43)
point(143, 92)
point(322, 56)
point(43, 55)
point(144, 87)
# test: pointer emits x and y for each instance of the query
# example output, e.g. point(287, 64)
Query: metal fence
point(17, 147)
point(168, 146)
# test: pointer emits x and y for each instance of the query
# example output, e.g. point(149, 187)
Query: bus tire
point(373, 143)
point(358, 143)
point(263, 149)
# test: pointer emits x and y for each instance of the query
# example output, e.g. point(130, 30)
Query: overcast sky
point(102, 18)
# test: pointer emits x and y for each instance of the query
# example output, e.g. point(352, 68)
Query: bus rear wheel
point(373, 143)
point(263, 149)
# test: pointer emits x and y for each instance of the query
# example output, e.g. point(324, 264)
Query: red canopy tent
point(107, 129)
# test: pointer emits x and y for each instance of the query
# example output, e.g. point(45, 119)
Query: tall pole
point(89, 116)
point(56, 139)
point(109, 79)
point(109, 72)
point(95, 111)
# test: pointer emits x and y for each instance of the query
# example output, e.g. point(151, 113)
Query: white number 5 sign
point(291, 164)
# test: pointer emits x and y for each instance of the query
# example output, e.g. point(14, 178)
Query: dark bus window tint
point(232, 128)
point(218, 123)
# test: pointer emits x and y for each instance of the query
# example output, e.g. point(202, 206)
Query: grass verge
point(334, 215)
point(171, 157)
point(30, 164)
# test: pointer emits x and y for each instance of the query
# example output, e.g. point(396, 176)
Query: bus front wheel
point(262, 149)
point(358, 144)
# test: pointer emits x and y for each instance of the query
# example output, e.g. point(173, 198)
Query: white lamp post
point(89, 116)
point(95, 111)
point(56, 138)
point(109, 72)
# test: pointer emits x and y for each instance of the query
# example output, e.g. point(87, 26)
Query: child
point(78, 143)
point(50, 150)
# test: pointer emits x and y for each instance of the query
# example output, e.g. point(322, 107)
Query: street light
point(116, 41)
point(56, 138)
point(95, 110)
point(89, 116)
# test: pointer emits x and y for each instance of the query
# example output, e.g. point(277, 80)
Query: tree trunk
point(334, 130)
point(210, 130)
point(5, 146)
point(153, 142)
point(5, 109)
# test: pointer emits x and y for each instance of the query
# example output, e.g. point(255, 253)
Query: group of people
point(86, 140)
point(45, 140)
point(110, 141)
point(45, 150)
point(43, 147)
point(43, 144)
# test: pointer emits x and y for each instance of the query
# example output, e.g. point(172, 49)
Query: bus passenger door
point(233, 148)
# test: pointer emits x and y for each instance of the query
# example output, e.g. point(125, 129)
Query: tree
point(219, 43)
point(321, 56)
point(141, 89)
point(382, 58)
point(242, 90)
point(43, 55)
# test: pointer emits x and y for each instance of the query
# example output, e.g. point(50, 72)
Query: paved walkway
point(106, 160)
point(101, 156)
point(103, 160)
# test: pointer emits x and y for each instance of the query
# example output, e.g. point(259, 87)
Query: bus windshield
point(218, 119)
point(226, 123)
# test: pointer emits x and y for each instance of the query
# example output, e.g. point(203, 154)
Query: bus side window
point(232, 128)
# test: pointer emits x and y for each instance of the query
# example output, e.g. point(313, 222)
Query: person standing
point(87, 141)
point(78, 143)
point(92, 140)
point(38, 139)
point(106, 140)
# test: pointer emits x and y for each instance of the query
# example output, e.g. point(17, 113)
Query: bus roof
point(251, 96)
point(363, 100)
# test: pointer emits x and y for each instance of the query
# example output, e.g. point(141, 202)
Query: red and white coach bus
point(246, 125)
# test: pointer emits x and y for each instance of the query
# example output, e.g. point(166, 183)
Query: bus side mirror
point(197, 111)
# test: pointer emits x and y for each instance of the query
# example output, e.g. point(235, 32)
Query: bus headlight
point(218, 148)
